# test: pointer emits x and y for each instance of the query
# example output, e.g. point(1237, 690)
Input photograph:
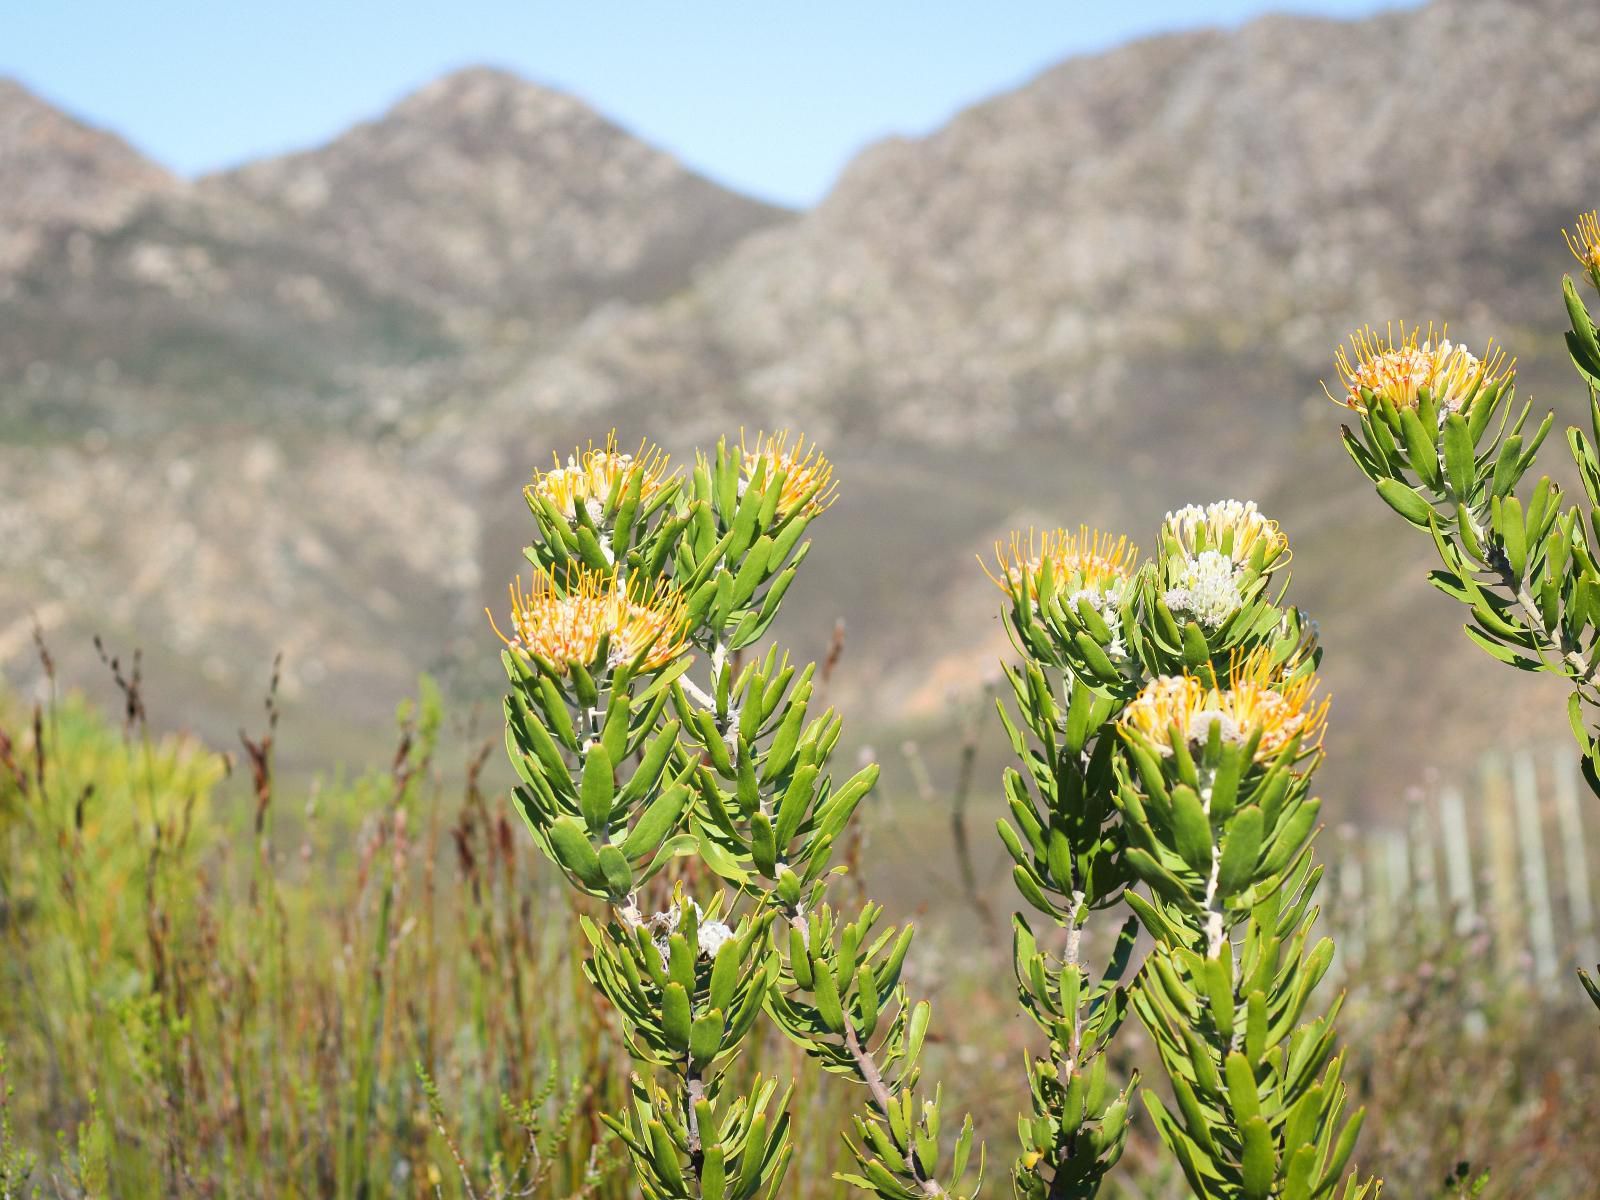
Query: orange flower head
point(588, 476)
point(1397, 368)
point(565, 624)
point(1585, 243)
point(1088, 561)
point(807, 473)
point(1257, 698)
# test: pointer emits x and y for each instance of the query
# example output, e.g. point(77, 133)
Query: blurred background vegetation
point(223, 982)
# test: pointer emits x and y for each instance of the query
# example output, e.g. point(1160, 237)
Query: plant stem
point(867, 1069)
point(694, 1092)
point(1070, 962)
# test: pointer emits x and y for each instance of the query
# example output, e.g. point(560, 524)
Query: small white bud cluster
point(713, 935)
point(1200, 727)
point(1104, 600)
point(1207, 589)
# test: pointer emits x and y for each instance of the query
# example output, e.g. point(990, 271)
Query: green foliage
point(1166, 736)
point(629, 763)
point(1450, 456)
point(228, 997)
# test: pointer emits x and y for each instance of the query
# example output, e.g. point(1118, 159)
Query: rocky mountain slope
point(60, 172)
point(475, 221)
point(1097, 297)
point(510, 209)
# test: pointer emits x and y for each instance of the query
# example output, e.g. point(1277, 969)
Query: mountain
point(1097, 297)
point(61, 172)
point(205, 389)
point(510, 208)
point(1188, 197)
point(1113, 291)
point(346, 285)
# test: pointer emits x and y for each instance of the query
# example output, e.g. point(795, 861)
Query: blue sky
point(769, 98)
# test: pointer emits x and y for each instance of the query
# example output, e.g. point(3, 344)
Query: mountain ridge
point(63, 171)
point(527, 195)
point(1083, 299)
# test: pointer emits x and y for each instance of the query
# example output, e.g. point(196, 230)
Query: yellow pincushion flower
point(807, 473)
point(587, 478)
point(1256, 698)
point(1397, 368)
point(1585, 244)
point(565, 624)
point(1087, 561)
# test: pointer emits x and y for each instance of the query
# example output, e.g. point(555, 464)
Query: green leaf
point(1217, 975)
point(705, 1038)
point(1513, 534)
point(1460, 465)
point(618, 874)
point(1258, 1166)
point(1078, 713)
point(664, 1157)
point(1586, 351)
point(1191, 829)
point(1094, 657)
point(572, 850)
point(1405, 501)
point(656, 822)
point(867, 998)
point(763, 848)
point(1240, 847)
point(1420, 448)
point(1161, 880)
point(675, 1025)
point(598, 789)
point(1243, 1097)
point(826, 994)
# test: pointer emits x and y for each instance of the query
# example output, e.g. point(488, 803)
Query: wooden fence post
point(1575, 856)
point(1457, 840)
point(1505, 901)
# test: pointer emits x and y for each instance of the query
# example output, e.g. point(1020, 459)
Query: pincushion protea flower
point(566, 624)
point(1233, 528)
point(1257, 697)
point(807, 473)
point(1087, 563)
point(1397, 368)
point(589, 476)
point(1585, 244)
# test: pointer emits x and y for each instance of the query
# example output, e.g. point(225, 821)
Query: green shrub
point(1440, 434)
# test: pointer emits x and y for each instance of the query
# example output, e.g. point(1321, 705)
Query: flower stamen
point(588, 477)
point(567, 623)
point(1397, 367)
point(1257, 697)
point(807, 473)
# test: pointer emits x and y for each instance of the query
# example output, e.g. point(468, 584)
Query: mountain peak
point(487, 93)
point(484, 193)
point(57, 170)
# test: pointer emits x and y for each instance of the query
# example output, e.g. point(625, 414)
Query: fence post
point(1575, 856)
point(1535, 872)
point(1352, 908)
point(1504, 900)
point(1458, 859)
point(1424, 857)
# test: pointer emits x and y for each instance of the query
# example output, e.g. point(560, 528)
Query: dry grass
point(220, 983)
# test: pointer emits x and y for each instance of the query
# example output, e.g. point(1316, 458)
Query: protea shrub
point(1440, 433)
